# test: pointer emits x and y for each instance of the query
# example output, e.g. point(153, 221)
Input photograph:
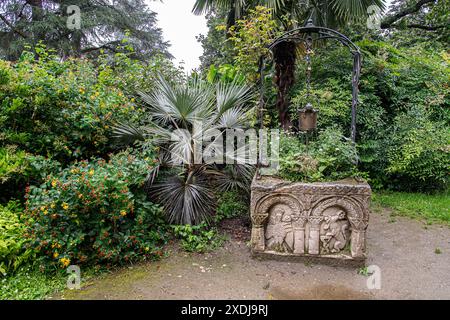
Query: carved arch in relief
point(282, 213)
point(265, 204)
point(352, 207)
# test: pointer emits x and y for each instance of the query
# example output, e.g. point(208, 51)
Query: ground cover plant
point(88, 175)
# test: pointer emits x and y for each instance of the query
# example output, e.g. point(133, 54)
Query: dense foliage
point(197, 238)
point(13, 253)
point(89, 213)
point(329, 157)
point(102, 25)
point(250, 38)
point(65, 110)
point(99, 149)
point(403, 116)
point(231, 204)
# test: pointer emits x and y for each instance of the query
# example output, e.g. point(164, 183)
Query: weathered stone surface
point(326, 220)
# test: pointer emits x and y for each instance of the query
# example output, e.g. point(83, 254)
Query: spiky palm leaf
point(175, 110)
point(326, 13)
point(236, 177)
point(235, 8)
point(183, 107)
point(187, 198)
point(128, 134)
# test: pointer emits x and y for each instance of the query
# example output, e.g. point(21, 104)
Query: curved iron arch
point(300, 35)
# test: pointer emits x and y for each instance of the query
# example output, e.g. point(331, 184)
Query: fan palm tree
point(180, 181)
point(291, 14)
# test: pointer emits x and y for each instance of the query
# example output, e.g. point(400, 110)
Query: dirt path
point(404, 250)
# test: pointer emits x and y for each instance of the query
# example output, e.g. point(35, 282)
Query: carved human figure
point(279, 233)
point(334, 232)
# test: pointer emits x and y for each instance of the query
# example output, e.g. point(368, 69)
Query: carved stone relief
point(324, 219)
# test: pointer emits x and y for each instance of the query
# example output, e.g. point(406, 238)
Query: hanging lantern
point(307, 118)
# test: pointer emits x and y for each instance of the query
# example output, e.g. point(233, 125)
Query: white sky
point(180, 27)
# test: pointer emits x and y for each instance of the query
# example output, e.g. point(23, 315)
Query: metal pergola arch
point(301, 35)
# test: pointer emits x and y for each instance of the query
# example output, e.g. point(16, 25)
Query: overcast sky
point(180, 27)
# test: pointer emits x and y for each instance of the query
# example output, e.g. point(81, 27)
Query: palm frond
point(233, 118)
point(178, 106)
point(231, 95)
point(186, 199)
point(351, 10)
point(235, 8)
point(128, 134)
point(236, 177)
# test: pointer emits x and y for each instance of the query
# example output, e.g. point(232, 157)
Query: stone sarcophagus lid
point(326, 220)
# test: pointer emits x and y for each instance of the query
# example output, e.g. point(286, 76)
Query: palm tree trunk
point(284, 57)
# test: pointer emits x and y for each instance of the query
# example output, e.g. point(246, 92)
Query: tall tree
point(412, 21)
point(104, 23)
point(291, 14)
point(215, 48)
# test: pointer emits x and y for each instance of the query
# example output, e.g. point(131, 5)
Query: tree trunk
point(284, 57)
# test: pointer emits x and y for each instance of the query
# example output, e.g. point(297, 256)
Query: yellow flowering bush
point(93, 212)
point(60, 109)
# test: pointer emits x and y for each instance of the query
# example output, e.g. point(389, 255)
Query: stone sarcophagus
point(327, 220)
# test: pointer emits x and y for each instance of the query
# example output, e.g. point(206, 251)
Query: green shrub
point(88, 213)
point(394, 82)
point(66, 109)
point(230, 204)
point(330, 156)
point(12, 162)
point(12, 241)
point(419, 153)
point(59, 109)
point(40, 167)
point(197, 238)
point(14, 166)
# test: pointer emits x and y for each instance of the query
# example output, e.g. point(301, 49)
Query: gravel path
point(405, 251)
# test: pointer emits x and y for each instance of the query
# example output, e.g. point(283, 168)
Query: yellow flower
point(65, 262)
point(45, 211)
point(52, 206)
point(54, 182)
point(43, 208)
point(65, 205)
point(55, 255)
point(91, 172)
point(123, 213)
